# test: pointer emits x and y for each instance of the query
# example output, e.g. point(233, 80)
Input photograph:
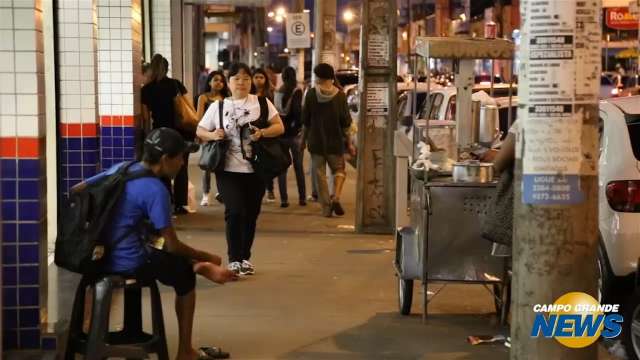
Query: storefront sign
point(298, 31)
point(559, 91)
point(620, 18)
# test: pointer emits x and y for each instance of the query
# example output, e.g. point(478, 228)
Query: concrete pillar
point(119, 78)
point(22, 164)
point(325, 33)
point(161, 29)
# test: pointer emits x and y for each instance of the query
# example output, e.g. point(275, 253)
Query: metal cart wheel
point(405, 295)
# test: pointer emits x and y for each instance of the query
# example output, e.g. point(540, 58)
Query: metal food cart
point(442, 242)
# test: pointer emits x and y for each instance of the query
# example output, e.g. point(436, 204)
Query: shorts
point(171, 270)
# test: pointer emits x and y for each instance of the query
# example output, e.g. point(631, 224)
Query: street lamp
point(269, 29)
point(271, 14)
point(348, 16)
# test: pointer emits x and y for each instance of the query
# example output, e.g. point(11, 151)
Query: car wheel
point(405, 295)
point(631, 327)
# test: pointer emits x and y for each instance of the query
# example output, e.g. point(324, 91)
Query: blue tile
point(90, 157)
point(8, 168)
point(107, 153)
point(117, 154)
point(128, 131)
point(9, 297)
point(8, 189)
point(106, 131)
point(9, 339)
point(9, 275)
point(118, 142)
point(29, 169)
point(117, 132)
point(9, 319)
point(29, 275)
point(73, 157)
point(9, 210)
point(128, 142)
point(89, 171)
point(9, 254)
point(29, 254)
point(72, 144)
point(29, 210)
point(90, 143)
point(29, 189)
point(9, 232)
point(106, 142)
point(29, 232)
point(129, 154)
point(107, 163)
point(30, 339)
point(75, 172)
point(29, 318)
point(29, 296)
point(49, 343)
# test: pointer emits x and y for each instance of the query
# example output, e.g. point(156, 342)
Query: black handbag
point(498, 226)
point(214, 152)
point(270, 157)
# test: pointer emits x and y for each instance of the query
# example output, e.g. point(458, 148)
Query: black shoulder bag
point(270, 157)
point(214, 152)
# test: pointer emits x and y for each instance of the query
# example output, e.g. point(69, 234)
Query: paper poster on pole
point(558, 91)
point(378, 52)
point(298, 36)
point(377, 99)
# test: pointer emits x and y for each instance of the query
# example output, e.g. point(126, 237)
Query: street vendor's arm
point(507, 154)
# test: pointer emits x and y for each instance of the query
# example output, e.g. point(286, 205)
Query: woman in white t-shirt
point(241, 189)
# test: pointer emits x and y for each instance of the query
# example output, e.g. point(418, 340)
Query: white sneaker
point(205, 200)
point(235, 267)
point(246, 268)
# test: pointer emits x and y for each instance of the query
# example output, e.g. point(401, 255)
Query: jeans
point(206, 182)
point(242, 194)
point(297, 161)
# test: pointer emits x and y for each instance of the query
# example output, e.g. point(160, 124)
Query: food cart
point(442, 241)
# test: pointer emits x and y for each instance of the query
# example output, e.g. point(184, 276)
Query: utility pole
point(375, 194)
point(556, 177)
point(298, 7)
point(324, 19)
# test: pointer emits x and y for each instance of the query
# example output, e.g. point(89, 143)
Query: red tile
point(127, 120)
point(8, 147)
point(89, 130)
point(28, 147)
point(105, 120)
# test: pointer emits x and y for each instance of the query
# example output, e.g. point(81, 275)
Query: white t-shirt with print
point(236, 114)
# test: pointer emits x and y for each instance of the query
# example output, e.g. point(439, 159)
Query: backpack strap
point(262, 121)
point(220, 106)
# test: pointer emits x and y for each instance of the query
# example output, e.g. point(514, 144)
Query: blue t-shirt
point(143, 198)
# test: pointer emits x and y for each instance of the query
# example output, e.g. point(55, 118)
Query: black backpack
point(79, 245)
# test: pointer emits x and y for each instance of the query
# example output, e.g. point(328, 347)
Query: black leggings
point(242, 195)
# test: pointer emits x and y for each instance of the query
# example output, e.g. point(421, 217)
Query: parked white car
point(619, 212)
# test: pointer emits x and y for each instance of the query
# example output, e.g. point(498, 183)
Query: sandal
point(211, 352)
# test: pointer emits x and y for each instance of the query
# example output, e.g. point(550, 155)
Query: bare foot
point(214, 272)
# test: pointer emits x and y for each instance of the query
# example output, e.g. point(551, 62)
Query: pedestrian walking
point(215, 89)
point(326, 121)
point(288, 101)
point(158, 111)
point(262, 85)
point(241, 188)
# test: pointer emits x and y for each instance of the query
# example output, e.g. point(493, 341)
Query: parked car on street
point(619, 212)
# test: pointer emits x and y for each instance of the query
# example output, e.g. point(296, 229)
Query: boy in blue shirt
point(148, 199)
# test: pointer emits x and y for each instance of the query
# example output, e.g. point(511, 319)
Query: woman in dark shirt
point(158, 111)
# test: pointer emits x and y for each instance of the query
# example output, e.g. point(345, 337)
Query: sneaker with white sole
point(246, 268)
point(235, 267)
point(205, 200)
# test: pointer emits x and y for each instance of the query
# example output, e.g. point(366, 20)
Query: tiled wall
point(161, 29)
point(22, 160)
point(119, 76)
point(77, 86)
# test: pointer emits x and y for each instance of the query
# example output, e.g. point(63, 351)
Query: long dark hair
point(159, 67)
point(289, 81)
point(267, 83)
point(224, 92)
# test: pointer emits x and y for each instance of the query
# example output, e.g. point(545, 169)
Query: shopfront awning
point(631, 53)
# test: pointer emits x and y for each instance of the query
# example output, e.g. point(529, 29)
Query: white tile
point(104, 66)
point(126, 44)
point(87, 73)
point(6, 40)
point(26, 83)
point(88, 115)
point(7, 126)
point(103, 56)
point(73, 87)
point(27, 126)
point(85, 16)
point(87, 87)
point(105, 99)
point(116, 99)
point(6, 61)
point(27, 105)
point(125, 23)
point(126, 34)
point(126, 56)
point(7, 104)
point(127, 99)
point(104, 77)
point(86, 30)
point(115, 34)
point(87, 59)
point(6, 18)
point(115, 44)
point(71, 44)
point(103, 45)
point(114, 23)
point(104, 109)
point(104, 88)
point(116, 77)
point(127, 77)
point(71, 58)
point(25, 40)
point(115, 55)
point(24, 19)
point(24, 4)
point(71, 15)
point(127, 110)
point(87, 44)
point(87, 101)
point(72, 102)
point(75, 115)
point(85, 4)
point(125, 12)
point(103, 23)
point(127, 66)
point(70, 30)
point(26, 61)
point(103, 12)
point(116, 66)
point(70, 72)
point(116, 109)
point(7, 83)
